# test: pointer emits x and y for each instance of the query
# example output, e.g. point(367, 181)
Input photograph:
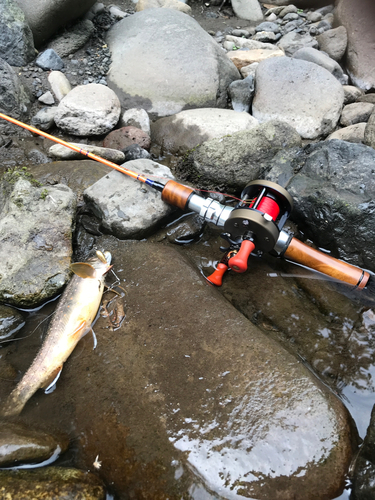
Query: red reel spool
point(269, 206)
point(257, 223)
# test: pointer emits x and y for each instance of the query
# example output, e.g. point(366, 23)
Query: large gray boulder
point(188, 129)
point(230, 162)
point(358, 19)
point(45, 17)
point(190, 396)
point(164, 62)
point(16, 39)
point(36, 225)
point(300, 93)
point(333, 187)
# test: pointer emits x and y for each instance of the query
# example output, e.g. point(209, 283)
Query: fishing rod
point(255, 224)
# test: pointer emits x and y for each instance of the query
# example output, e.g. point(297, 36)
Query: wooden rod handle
point(176, 194)
point(303, 254)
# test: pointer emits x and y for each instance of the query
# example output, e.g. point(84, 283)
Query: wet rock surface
point(11, 321)
point(77, 175)
point(50, 482)
point(115, 201)
point(205, 405)
point(363, 485)
point(22, 445)
point(15, 98)
point(343, 205)
point(26, 231)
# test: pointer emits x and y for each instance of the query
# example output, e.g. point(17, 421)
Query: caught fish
point(75, 312)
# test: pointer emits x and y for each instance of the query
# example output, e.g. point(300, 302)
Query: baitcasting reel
point(256, 222)
point(256, 225)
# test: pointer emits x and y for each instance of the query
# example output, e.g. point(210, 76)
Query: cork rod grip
point(303, 254)
point(176, 194)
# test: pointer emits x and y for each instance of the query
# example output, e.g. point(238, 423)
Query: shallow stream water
point(326, 324)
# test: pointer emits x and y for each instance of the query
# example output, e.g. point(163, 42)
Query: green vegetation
point(43, 194)
point(12, 175)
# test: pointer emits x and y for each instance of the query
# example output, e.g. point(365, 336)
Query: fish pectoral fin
point(83, 270)
point(52, 379)
point(94, 339)
point(80, 329)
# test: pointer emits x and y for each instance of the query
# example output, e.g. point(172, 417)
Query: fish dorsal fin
point(83, 270)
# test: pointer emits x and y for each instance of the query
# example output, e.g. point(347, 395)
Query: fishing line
point(27, 336)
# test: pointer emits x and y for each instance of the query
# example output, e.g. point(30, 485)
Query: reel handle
point(239, 261)
point(216, 278)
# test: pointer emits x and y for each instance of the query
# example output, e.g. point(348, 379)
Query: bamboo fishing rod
point(249, 226)
point(92, 156)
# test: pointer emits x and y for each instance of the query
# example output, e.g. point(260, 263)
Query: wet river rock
point(129, 209)
point(333, 187)
point(78, 175)
point(36, 225)
point(50, 482)
point(20, 444)
point(364, 471)
point(173, 401)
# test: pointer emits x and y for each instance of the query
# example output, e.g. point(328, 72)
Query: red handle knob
point(216, 278)
point(239, 261)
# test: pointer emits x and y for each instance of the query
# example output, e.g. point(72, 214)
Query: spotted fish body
point(75, 312)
